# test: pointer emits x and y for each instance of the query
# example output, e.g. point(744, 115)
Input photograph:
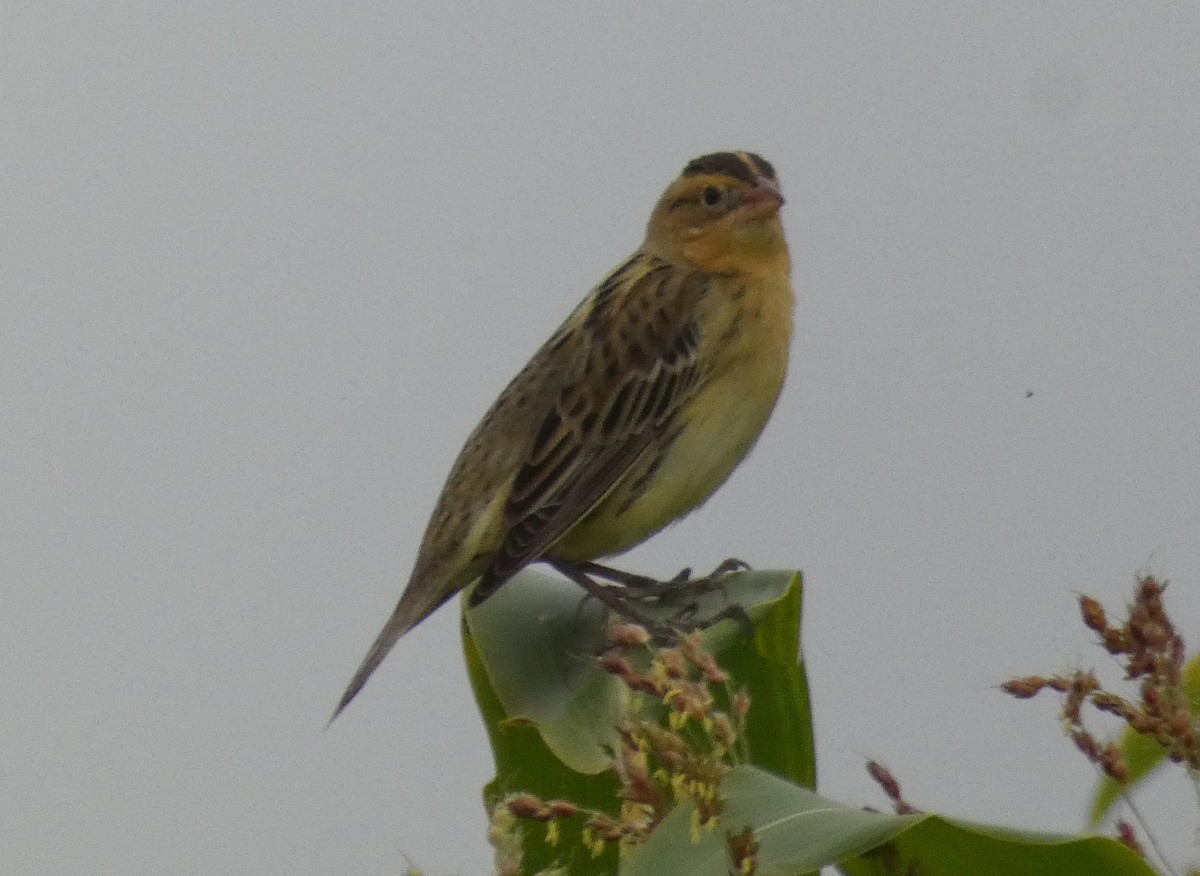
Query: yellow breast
point(746, 328)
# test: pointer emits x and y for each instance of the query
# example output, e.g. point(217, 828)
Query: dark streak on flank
point(745, 166)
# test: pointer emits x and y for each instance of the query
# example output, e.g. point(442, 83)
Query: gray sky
point(264, 268)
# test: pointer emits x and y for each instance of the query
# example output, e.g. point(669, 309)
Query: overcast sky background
point(264, 267)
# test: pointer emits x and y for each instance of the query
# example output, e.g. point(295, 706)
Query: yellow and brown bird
point(633, 413)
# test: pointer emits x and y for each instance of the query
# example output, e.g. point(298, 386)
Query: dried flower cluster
point(890, 786)
point(1152, 653)
point(679, 752)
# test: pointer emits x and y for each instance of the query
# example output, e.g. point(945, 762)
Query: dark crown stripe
point(745, 166)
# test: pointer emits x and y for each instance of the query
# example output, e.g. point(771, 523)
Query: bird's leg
point(728, 566)
point(644, 587)
point(614, 599)
point(714, 580)
point(633, 588)
point(629, 580)
point(622, 603)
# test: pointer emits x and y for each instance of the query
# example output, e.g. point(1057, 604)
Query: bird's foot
point(714, 580)
point(685, 620)
point(617, 598)
point(644, 588)
point(733, 612)
point(628, 595)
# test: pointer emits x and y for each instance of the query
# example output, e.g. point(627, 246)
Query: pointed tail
point(414, 607)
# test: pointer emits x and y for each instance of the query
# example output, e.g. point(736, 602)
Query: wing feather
point(637, 368)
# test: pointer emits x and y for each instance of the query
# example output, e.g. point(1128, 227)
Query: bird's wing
point(636, 367)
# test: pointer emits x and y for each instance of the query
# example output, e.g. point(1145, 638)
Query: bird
point(632, 414)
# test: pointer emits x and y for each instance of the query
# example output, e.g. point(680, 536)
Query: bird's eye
point(712, 196)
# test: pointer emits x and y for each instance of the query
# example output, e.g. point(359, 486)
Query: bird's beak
point(763, 200)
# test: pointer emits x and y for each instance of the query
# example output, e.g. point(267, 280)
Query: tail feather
point(414, 607)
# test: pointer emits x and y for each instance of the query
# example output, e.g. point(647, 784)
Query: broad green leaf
point(537, 642)
point(799, 831)
point(537, 639)
point(551, 713)
point(779, 726)
point(1143, 753)
point(525, 763)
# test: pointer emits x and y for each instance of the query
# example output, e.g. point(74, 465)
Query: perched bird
point(633, 413)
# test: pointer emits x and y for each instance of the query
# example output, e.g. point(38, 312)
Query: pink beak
point(764, 199)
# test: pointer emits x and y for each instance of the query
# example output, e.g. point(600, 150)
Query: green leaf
point(1144, 753)
point(537, 639)
point(779, 729)
point(525, 763)
point(551, 713)
point(799, 831)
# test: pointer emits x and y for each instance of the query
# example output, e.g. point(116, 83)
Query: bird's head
point(721, 215)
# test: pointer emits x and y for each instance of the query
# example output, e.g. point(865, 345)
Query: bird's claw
point(641, 587)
